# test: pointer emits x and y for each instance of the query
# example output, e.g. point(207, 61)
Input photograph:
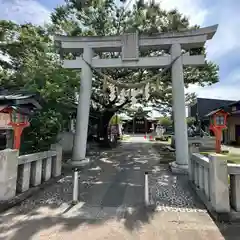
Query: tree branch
point(113, 101)
point(116, 108)
point(98, 101)
point(124, 103)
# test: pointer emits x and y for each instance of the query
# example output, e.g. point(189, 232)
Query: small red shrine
point(218, 122)
point(16, 108)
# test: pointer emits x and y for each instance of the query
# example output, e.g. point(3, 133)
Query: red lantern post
point(218, 123)
point(18, 122)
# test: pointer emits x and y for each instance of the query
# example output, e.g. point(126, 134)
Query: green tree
point(116, 119)
point(105, 17)
point(34, 67)
point(165, 121)
point(190, 121)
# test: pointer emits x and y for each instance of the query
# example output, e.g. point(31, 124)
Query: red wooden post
point(17, 136)
point(218, 134)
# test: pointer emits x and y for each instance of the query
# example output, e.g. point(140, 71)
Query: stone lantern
point(218, 120)
point(18, 121)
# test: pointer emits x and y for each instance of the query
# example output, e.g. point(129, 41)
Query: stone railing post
point(36, 172)
point(192, 149)
point(235, 192)
point(8, 173)
point(234, 172)
point(57, 161)
point(219, 191)
point(24, 174)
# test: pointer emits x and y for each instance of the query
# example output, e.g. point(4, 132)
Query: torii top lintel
point(130, 44)
point(188, 39)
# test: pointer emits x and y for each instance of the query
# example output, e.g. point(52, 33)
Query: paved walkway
point(112, 202)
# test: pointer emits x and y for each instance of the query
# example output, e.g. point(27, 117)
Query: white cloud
point(22, 11)
point(218, 91)
point(225, 40)
point(227, 90)
point(222, 13)
point(228, 34)
point(189, 8)
point(192, 9)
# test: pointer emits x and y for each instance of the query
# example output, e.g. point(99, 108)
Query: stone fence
point(19, 173)
point(216, 182)
point(205, 143)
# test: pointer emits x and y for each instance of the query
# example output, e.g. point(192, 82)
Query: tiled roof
point(205, 106)
point(15, 93)
point(213, 112)
point(19, 98)
point(8, 96)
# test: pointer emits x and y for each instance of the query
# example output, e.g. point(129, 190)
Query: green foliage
point(165, 121)
point(115, 120)
point(190, 121)
point(35, 68)
point(105, 17)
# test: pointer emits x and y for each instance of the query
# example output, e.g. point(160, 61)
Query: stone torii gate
point(129, 45)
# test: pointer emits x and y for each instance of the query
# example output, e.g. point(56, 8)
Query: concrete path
point(112, 202)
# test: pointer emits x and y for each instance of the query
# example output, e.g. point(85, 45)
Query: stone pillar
point(192, 149)
point(36, 173)
point(8, 174)
point(57, 161)
point(219, 191)
point(180, 125)
point(47, 169)
point(24, 173)
point(235, 191)
point(80, 138)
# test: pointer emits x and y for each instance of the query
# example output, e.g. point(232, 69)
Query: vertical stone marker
point(8, 173)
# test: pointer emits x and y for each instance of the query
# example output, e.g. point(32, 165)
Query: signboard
point(4, 120)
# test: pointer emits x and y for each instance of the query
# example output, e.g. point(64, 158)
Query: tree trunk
point(103, 132)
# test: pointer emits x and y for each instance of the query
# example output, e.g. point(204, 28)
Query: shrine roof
point(18, 98)
point(215, 111)
point(4, 96)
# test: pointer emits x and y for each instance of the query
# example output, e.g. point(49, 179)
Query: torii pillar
point(81, 133)
point(179, 109)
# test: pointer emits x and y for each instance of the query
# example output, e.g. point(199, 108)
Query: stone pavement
point(112, 202)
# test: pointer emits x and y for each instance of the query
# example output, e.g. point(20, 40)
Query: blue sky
point(50, 4)
point(224, 49)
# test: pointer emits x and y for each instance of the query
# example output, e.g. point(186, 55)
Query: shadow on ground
point(111, 193)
